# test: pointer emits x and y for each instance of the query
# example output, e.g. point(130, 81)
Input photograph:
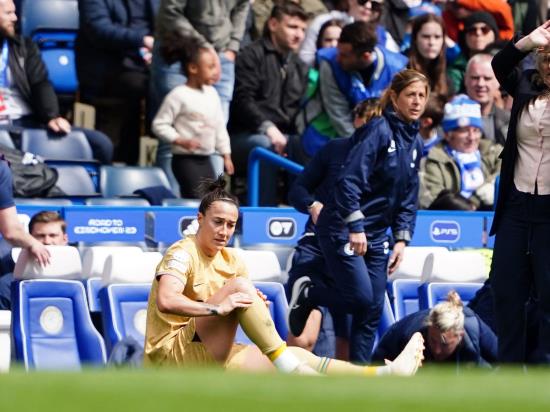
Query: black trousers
point(521, 271)
point(189, 171)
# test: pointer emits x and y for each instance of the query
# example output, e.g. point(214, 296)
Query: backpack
point(31, 176)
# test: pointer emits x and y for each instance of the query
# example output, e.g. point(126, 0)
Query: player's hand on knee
point(262, 296)
point(358, 243)
point(234, 301)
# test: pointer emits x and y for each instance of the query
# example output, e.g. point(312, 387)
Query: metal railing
point(260, 154)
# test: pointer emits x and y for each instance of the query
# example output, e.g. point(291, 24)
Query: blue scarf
point(471, 174)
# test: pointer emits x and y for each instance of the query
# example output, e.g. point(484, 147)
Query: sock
point(330, 366)
point(259, 327)
point(283, 359)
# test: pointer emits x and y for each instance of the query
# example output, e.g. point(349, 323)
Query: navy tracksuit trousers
point(358, 287)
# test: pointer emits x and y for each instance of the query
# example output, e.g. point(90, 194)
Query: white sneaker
point(410, 359)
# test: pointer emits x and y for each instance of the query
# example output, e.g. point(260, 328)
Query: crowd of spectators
point(289, 72)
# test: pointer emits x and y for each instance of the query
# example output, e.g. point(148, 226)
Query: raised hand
point(537, 39)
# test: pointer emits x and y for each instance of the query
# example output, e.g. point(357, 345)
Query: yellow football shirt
point(202, 276)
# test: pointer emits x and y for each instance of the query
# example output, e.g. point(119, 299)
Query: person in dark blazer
point(520, 266)
point(113, 53)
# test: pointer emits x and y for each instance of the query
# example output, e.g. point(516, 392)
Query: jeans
point(164, 77)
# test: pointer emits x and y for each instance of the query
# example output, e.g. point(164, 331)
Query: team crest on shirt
point(392, 147)
point(348, 250)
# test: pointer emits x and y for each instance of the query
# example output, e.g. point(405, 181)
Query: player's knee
point(240, 284)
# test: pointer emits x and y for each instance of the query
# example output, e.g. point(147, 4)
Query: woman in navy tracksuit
point(377, 189)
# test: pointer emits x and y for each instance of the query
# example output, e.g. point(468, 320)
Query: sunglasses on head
point(475, 29)
point(374, 5)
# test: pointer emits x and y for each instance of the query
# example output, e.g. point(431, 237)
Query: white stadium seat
point(459, 266)
point(413, 261)
point(64, 264)
point(5, 340)
point(262, 265)
point(139, 269)
point(94, 257)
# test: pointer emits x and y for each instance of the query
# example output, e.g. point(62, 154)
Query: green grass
point(434, 389)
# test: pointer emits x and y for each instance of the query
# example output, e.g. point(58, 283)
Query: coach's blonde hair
point(400, 82)
point(448, 315)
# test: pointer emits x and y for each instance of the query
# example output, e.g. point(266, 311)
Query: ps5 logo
point(281, 228)
point(445, 231)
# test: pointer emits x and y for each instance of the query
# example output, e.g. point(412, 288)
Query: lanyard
point(4, 65)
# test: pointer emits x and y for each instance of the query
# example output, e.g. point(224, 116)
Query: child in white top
point(192, 120)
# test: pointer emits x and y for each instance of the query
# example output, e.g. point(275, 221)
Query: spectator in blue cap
point(462, 163)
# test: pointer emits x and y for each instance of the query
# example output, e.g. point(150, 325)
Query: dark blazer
point(30, 76)
point(479, 345)
point(522, 87)
point(104, 38)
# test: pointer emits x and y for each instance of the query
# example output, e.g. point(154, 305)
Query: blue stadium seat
point(93, 286)
point(73, 145)
point(59, 58)
point(123, 181)
point(5, 139)
point(181, 202)
point(74, 180)
point(117, 201)
point(430, 294)
point(52, 328)
point(124, 312)
point(40, 15)
point(53, 25)
point(404, 293)
point(39, 201)
point(91, 166)
point(278, 308)
point(386, 320)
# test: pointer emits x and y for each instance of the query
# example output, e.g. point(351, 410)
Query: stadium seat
point(262, 265)
point(123, 181)
point(52, 146)
point(74, 180)
point(5, 340)
point(139, 269)
point(181, 202)
point(387, 318)
point(458, 266)
point(93, 258)
point(116, 201)
point(40, 15)
point(430, 294)
point(404, 294)
point(57, 49)
point(278, 308)
point(65, 263)
point(52, 328)
point(42, 201)
point(413, 261)
point(5, 139)
point(93, 286)
point(124, 312)
point(282, 252)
